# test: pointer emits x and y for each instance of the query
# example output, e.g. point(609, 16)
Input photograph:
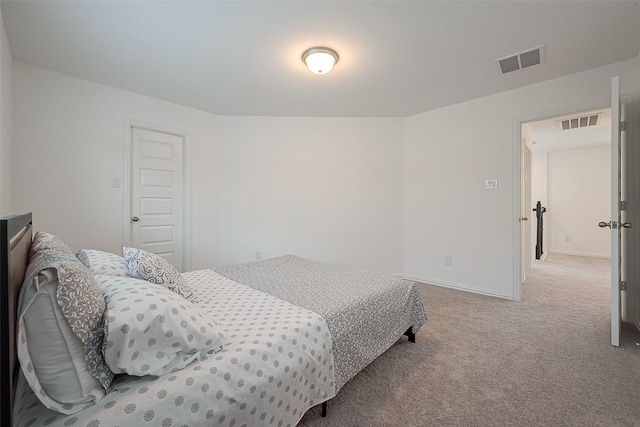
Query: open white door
point(528, 228)
point(525, 209)
point(630, 140)
point(617, 187)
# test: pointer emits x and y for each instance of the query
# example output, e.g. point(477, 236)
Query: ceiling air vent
point(580, 121)
point(521, 60)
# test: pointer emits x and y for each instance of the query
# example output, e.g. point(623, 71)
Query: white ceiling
point(549, 136)
point(397, 58)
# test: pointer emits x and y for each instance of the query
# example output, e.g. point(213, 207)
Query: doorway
point(569, 173)
point(157, 205)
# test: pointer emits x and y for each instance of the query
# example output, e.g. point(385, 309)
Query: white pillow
point(103, 263)
point(155, 269)
point(151, 330)
point(52, 356)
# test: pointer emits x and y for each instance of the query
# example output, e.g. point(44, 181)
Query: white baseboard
point(456, 286)
point(589, 254)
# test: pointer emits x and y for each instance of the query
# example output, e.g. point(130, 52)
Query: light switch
point(491, 184)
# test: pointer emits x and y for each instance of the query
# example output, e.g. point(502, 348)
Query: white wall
point(579, 183)
point(539, 187)
point(6, 107)
point(450, 152)
point(329, 189)
point(69, 146)
point(325, 188)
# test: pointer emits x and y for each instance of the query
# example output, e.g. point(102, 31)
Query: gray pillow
point(60, 288)
point(43, 241)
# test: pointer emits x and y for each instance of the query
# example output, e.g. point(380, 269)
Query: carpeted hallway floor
point(483, 361)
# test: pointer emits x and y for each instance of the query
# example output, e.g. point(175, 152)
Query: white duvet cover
point(276, 363)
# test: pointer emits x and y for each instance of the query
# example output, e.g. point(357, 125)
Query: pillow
point(60, 333)
point(103, 263)
point(151, 330)
point(43, 241)
point(155, 269)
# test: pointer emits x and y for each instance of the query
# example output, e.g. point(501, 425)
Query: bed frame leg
point(324, 409)
point(410, 335)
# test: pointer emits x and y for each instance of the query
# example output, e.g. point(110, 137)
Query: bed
point(365, 318)
point(281, 351)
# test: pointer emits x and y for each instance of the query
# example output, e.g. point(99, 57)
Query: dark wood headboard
point(16, 232)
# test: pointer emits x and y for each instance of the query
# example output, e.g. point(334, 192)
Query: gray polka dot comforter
point(366, 311)
point(277, 362)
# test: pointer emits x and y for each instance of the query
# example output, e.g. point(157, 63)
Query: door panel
point(157, 206)
point(156, 193)
point(156, 178)
point(155, 235)
point(156, 149)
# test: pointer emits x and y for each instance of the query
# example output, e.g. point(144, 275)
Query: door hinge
point(623, 205)
point(623, 285)
point(623, 126)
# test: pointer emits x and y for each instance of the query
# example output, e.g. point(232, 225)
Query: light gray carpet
point(483, 361)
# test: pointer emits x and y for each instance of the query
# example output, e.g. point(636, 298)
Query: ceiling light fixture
point(320, 60)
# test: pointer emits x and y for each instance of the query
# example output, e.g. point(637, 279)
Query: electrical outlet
point(448, 260)
point(258, 254)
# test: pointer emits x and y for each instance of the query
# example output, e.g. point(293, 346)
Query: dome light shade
point(320, 60)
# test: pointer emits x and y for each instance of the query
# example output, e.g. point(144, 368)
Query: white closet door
point(157, 194)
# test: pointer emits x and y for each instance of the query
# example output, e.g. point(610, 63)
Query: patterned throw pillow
point(155, 269)
point(151, 330)
point(43, 241)
point(103, 263)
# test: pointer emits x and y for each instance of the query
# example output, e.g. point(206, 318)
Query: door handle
point(523, 218)
point(135, 219)
point(614, 224)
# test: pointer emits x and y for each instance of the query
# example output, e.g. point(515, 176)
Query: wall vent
point(579, 121)
point(521, 60)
